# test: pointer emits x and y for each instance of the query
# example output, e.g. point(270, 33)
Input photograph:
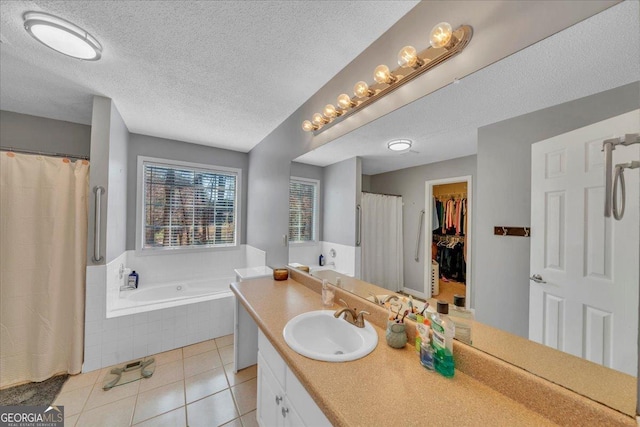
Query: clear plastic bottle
point(463, 320)
point(442, 341)
point(426, 354)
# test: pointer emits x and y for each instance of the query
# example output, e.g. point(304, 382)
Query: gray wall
point(109, 144)
point(269, 161)
point(504, 198)
point(46, 135)
point(99, 172)
point(301, 170)
point(341, 195)
point(366, 182)
point(143, 145)
point(410, 184)
point(117, 200)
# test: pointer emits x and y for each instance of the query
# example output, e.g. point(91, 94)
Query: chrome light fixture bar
point(444, 44)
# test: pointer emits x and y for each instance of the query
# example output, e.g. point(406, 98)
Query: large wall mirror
point(516, 144)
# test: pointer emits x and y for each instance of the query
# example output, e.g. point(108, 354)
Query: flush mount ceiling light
point(444, 42)
point(399, 145)
point(62, 36)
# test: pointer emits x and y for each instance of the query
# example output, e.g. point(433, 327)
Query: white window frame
point(316, 213)
point(140, 213)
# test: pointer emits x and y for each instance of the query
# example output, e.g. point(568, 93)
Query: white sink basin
point(320, 336)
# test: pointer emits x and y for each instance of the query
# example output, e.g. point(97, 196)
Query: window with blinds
point(188, 207)
point(303, 206)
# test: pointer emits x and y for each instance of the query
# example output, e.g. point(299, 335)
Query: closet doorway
point(448, 238)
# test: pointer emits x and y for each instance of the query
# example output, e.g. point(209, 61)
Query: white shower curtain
point(382, 254)
point(43, 250)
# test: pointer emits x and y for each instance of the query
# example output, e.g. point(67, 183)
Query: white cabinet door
point(588, 305)
point(270, 397)
point(290, 416)
point(300, 399)
point(282, 399)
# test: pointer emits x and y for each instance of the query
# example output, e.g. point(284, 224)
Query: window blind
point(302, 210)
point(188, 207)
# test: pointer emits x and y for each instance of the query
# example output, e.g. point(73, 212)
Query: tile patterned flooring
point(191, 386)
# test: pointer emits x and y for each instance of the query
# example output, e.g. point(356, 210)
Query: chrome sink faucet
point(350, 315)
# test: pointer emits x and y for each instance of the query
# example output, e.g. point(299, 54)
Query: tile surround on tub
point(117, 340)
point(305, 253)
point(347, 259)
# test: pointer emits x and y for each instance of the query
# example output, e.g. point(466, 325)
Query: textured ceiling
point(219, 73)
point(571, 64)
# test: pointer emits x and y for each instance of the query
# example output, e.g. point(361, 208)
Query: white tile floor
point(191, 386)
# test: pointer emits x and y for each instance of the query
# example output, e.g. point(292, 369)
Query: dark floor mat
point(42, 393)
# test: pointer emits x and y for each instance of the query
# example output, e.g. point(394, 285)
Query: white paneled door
point(585, 267)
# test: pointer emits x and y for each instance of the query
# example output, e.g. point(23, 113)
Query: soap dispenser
point(133, 280)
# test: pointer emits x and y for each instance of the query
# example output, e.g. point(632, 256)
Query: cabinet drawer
point(272, 358)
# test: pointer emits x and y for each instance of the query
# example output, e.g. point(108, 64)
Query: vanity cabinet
point(282, 399)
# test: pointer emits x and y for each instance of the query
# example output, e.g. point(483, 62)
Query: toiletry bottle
point(442, 342)
point(321, 260)
point(422, 334)
point(462, 319)
point(426, 354)
point(133, 280)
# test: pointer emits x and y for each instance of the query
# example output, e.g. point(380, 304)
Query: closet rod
point(43, 153)
point(382, 194)
point(463, 195)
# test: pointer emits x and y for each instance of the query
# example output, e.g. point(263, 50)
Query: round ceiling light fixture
point(399, 145)
point(62, 36)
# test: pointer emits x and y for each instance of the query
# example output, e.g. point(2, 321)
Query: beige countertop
point(612, 388)
point(386, 387)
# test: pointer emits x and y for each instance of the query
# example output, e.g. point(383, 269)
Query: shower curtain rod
point(382, 194)
point(43, 153)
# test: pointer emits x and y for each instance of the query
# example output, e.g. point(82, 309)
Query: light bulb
point(382, 75)
point(307, 126)
point(318, 120)
point(408, 57)
point(330, 111)
point(344, 101)
point(441, 35)
point(361, 89)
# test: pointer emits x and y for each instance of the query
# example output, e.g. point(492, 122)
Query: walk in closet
point(449, 240)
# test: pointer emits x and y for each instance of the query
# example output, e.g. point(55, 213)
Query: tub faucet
point(127, 287)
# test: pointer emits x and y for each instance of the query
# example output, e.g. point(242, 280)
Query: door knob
point(537, 278)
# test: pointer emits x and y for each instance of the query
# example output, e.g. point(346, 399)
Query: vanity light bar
point(444, 44)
